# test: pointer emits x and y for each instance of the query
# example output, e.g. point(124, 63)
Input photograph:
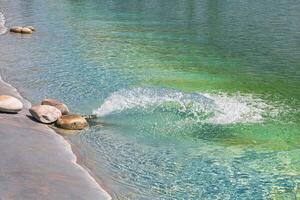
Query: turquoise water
point(196, 99)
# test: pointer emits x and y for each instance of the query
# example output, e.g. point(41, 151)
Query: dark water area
point(196, 99)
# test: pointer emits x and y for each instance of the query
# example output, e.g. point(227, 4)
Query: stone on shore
point(30, 27)
point(57, 104)
point(10, 104)
point(71, 122)
point(26, 30)
point(45, 113)
point(16, 29)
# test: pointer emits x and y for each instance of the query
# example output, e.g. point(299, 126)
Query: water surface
point(196, 99)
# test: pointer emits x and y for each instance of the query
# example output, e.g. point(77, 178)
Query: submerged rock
point(45, 113)
point(16, 29)
point(10, 104)
point(31, 28)
point(26, 30)
point(57, 104)
point(72, 122)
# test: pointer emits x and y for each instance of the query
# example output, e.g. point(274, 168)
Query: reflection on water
point(227, 129)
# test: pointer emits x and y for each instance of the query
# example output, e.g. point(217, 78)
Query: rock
point(10, 104)
point(45, 114)
point(16, 29)
point(57, 104)
point(72, 122)
point(26, 31)
point(31, 28)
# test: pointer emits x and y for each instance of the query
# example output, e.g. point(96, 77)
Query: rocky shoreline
point(38, 163)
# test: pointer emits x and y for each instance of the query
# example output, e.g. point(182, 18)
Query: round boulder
point(16, 29)
point(71, 122)
point(26, 30)
point(10, 104)
point(45, 114)
point(57, 104)
point(31, 28)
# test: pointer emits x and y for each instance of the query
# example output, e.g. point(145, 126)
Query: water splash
point(151, 99)
point(207, 108)
point(3, 29)
point(240, 108)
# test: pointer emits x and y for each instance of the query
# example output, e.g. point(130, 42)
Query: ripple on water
point(184, 170)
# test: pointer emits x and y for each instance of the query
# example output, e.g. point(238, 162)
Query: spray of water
point(209, 108)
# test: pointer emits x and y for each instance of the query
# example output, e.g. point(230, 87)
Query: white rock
point(26, 30)
point(30, 27)
point(10, 104)
point(57, 104)
point(45, 114)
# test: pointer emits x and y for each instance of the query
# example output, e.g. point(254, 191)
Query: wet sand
point(37, 163)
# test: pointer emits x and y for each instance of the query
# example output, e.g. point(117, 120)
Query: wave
point(3, 29)
point(204, 107)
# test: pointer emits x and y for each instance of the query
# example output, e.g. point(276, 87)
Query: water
point(2, 24)
point(196, 99)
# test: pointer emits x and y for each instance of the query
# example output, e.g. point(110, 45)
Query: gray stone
point(45, 114)
point(16, 29)
point(57, 104)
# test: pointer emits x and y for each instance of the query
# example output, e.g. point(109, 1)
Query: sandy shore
point(36, 163)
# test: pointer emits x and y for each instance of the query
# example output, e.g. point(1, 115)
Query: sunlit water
point(195, 99)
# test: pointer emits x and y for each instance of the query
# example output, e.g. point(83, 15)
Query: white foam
point(144, 98)
point(216, 108)
point(240, 108)
point(3, 29)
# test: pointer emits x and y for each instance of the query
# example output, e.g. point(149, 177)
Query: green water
point(196, 99)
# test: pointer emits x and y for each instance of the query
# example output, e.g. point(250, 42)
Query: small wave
point(3, 29)
point(208, 108)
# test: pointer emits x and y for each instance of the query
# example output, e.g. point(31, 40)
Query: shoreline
point(37, 162)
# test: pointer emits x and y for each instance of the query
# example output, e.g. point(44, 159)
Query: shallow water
point(196, 99)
